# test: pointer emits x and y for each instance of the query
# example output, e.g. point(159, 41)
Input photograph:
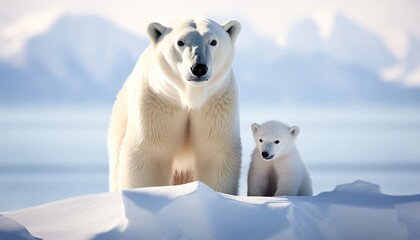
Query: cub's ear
point(233, 28)
point(294, 131)
point(155, 31)
point(255, 127)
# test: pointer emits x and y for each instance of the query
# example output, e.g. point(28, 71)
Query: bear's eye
point(213, 42)
point(277, 142)
point(260, 140)
point(180, 43)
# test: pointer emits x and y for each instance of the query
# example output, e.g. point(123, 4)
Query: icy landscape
point(355, 100)
point(194, 211)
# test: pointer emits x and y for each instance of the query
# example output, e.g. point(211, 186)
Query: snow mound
point(10, 229)
point(358, 186)
point(195, 211)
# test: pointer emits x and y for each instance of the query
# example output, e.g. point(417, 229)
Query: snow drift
point(195, 211)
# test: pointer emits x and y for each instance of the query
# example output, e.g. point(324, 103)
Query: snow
point(194, 211)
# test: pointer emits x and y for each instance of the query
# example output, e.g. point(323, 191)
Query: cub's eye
point(213, 42)
point(180, 43)
point(260, 140)
point(277, 142)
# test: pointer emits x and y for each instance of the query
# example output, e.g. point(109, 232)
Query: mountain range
point(343, 69)
point(86, 59)
point(79, 60)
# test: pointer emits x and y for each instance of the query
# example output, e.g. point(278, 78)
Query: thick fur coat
point(176, 119)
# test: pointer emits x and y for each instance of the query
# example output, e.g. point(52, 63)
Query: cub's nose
point(199, 69)
point(264, 154)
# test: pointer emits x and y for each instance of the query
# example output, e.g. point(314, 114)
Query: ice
point(10, 229)
point(194, 211)
point(358, 186)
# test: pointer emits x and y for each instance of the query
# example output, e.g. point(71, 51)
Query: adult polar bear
point(176, 119)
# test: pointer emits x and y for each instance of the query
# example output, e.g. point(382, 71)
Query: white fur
point(281, 172)
point(165, 122)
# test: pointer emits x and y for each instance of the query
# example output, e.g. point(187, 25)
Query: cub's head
point(274, 139)
point(194, 54)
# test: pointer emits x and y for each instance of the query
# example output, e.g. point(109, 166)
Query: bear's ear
point(294, 131)
point(155, 31)
point(255, 127)
point(233, 28)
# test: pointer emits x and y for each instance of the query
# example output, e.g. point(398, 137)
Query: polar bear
point(176, 118)
point(276, 167)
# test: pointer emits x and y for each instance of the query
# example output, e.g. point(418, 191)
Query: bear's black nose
point(199, 69)
point(264, 154)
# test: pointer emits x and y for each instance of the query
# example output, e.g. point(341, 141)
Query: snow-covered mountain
point(413, 57)
point(348, 43)
point(341, 69)
point(81, 55)
point(77, 56)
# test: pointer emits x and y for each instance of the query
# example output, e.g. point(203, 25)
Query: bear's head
point(274, 139)
point(195, 56)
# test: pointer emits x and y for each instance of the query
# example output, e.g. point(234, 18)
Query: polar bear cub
point(276, 167)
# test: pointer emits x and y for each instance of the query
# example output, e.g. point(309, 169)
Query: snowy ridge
point(195, 211)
